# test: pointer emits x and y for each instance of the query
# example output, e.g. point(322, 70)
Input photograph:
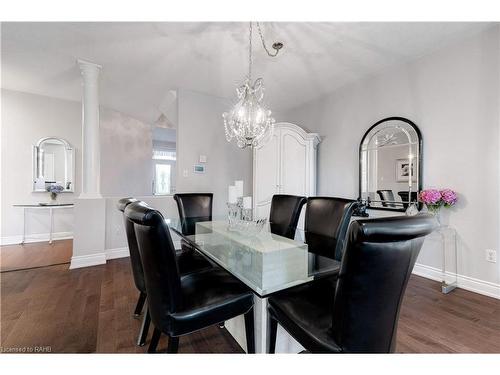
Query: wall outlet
point(491, 256)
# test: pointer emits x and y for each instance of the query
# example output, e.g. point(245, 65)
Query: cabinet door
point(294, 164)
point(266, 178)
point(295, 170)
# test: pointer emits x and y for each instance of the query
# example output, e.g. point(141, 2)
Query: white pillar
point(91, 171)
point(89, 233)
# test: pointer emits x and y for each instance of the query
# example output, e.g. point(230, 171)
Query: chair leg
point(143, 333)
point(154, 341)
point(140, 305)
point(272, 328)
point(249, 332)
point(173, 345)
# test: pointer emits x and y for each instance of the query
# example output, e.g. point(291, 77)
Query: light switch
point(203, 158)
point(185, 173)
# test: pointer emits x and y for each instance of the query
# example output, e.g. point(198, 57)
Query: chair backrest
point(135, 256)
point(193, 208)
point(376, 266)
point(386, 195)
point(327, 221)
point(285, 213)
point(159, 261)
point(405, 195)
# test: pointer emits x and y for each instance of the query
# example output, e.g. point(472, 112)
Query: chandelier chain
point(250, 52)
point(264, 43)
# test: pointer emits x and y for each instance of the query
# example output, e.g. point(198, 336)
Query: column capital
point(88, 66)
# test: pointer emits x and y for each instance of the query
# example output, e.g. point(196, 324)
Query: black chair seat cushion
point(306, 313)
point(209, 297)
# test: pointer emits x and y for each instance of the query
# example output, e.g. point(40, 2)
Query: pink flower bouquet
point(434, 199)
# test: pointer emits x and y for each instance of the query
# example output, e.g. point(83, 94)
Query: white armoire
point(286, 164)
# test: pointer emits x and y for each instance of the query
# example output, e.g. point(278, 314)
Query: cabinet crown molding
point(315, 137)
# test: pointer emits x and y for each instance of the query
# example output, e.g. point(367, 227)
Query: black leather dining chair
point(386, 195)
point(182, 305)
point(326, 224)
point(193, 208)
point(405, 195)
point(188, 262)
point(285, 213)
point(360, 314)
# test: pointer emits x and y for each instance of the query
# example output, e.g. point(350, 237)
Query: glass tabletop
point(34, 205)
point(265, 262)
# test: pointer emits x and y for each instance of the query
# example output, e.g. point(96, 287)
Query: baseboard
point(119, 252)
point(465, 282)
point(39, 237)
point(87, 260)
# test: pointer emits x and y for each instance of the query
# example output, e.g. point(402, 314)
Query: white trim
point(296, 128)
point(90, 196)
point(37, 237)
point(465, 282)
point(119, 252)
point(87, 260)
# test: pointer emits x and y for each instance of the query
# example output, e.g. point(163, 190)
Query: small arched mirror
point(390, 164)
point(53, 164)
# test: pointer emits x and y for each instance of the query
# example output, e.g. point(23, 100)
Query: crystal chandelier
point(250, 121)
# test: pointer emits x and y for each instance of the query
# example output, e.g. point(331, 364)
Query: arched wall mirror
point(390, 164)
point(53, 164)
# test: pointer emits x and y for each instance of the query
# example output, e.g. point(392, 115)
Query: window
point(164, 155)
point(162, 179)
point(164, 158)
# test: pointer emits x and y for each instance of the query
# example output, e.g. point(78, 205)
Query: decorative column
point(89, 233)
point(91, 158)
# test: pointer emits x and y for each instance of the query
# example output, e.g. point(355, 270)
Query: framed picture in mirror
point(403, 170)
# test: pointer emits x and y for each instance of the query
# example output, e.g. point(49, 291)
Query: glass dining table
point(265, 262)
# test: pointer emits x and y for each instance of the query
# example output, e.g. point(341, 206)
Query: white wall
point(126, 167)
point(201, 132)
point(25, 119)
point(126, 151)
point(453, 97)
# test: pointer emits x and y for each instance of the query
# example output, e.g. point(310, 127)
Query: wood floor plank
point(91, 310)
point(37, 254)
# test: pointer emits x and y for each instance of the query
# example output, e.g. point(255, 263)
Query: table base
point(284, 342)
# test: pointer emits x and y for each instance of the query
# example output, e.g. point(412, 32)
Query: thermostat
point(199, 169)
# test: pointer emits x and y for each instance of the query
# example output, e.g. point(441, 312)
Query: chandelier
point(250, 121)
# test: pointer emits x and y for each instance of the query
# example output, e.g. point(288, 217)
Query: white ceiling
point(143, 61)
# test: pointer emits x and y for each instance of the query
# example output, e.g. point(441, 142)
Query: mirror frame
point(35, 163)
point(420, 158)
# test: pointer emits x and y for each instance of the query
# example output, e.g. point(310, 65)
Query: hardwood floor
point(90, 310)
point(38, 254)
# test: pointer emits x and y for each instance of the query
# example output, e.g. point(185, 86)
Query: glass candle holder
point(246, 214)
point(233, 212)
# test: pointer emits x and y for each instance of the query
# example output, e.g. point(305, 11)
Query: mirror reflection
point(53, 164)
point(390, 164)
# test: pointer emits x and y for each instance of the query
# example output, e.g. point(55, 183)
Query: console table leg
point(51, 224)
point(24, 226)
point(447, 288)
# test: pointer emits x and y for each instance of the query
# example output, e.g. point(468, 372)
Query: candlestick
point(239, 187)
point(232, 196)
point(247, 202)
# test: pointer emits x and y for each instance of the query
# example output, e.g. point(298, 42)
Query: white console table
point(50, 206)
point(446, 239)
